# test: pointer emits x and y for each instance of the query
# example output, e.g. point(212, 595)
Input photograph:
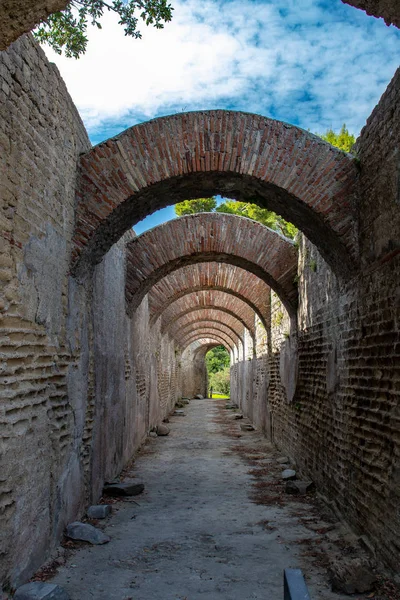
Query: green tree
point(217, 359)
point(221, 381)
point(243, 209)
point(191, 207)
point(67, 29)
point(262, 215)
point(342, 140)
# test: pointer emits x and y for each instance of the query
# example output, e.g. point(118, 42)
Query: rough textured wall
point(78, 378)
point(194, 372)
point(342, 426)
point(21, 16)
point(41, 137)
point(387, 9)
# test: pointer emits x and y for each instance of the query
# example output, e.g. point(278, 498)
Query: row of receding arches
point(207, 276)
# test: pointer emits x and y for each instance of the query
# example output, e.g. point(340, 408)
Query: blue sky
point(316, 64)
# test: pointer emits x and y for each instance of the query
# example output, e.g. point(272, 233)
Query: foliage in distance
point(233, 207)
point(221, 382)
point(191, 207)
point(218, 369)
point(217, 359)
point(342, 140)
point(67, 29)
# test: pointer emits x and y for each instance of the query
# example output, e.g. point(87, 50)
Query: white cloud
point(312, 66)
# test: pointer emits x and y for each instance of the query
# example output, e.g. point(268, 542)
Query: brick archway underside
point(203, 345)
point(217, 326)
point(208, 315)
point(209, 276)
point(210, 333)
point(189, 300)
point(237, 155)
point(216, 238)
point(195, 313)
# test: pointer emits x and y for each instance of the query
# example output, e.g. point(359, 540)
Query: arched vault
point(210, 276)
point(217, 326)
point(196, 313)
point(216, 238)
point(238, 155)
point(225, 299)
point(207, 315)
point(222, 338)
point(203, 345)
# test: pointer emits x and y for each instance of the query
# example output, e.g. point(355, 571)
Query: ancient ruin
point(103, 331)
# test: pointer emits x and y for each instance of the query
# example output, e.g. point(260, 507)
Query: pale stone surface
point(100, 511)
point(36, 590)
point(198, 534)
point(288, 474)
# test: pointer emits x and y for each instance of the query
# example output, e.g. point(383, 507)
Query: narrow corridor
point(195, 533)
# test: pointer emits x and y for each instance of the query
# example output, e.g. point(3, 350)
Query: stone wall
point(81, 384)
point(342, 424)
point(389, 10)
point(38, 154)
point(21, 16)
point(194, 380)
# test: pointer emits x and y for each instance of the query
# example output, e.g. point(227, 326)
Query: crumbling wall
point(342, 424)
point(389, 10)
point(21, 16)
point(41, 137)
point(77, 376)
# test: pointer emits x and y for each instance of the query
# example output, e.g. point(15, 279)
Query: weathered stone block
point(163, 430)
point(100, 511)
point(86, 533)
point(37, 590)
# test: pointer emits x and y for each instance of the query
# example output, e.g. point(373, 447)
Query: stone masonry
point(102, 331)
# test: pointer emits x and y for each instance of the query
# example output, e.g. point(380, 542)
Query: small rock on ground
point(179, 413)
point(163, 430)
point(299, 487)
point(353, 576)
point(37, 590)
point(246, 427)
point(199, 397)
point(100, 511)
point(123, 489)
point(288, 474)
point(282, 460)
point(86, 533)
point(153, 434)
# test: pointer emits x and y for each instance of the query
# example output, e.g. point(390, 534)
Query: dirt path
point(197, 533)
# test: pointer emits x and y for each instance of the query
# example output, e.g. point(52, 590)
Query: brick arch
point(207, 323)
point(215, 238)
point(238, 155)
point(212, 297)
point(204, 344)
point(211, 314)
point(209, 276)
point(212, 311)
point(223, 338)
